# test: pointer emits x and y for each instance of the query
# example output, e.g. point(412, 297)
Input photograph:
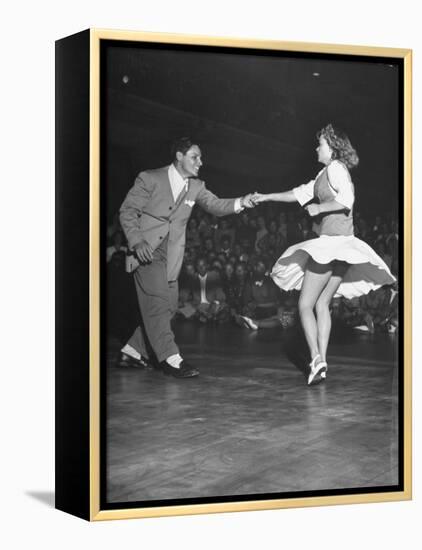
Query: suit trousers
point(157, 298)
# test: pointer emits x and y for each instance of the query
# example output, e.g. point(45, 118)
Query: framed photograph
point(233, 274)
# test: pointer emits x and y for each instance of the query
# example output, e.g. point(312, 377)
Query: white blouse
point(340, 183)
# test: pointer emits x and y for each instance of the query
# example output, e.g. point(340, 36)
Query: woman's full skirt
point(367, 271)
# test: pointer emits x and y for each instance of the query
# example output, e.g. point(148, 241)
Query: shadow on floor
point(45, 497)
point(295, 348)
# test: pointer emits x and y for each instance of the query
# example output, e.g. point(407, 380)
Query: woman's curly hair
point(340, 145)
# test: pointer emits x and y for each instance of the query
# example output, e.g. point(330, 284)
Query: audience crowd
point(225, 274)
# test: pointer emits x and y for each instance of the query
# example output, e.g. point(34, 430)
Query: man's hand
point(313, 209)
point(247, 201)
point(144, 251)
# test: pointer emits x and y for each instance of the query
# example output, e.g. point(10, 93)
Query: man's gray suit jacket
point(149, 212)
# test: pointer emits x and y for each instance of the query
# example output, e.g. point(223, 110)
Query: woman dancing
point(336, 263)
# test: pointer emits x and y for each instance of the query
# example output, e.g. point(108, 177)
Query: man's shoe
point(184, 371)
point(128, 361)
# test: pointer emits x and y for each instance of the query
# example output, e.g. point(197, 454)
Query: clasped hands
point(251, 200)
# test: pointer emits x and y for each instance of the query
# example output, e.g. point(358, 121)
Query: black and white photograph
point(251, 275)
point(246, 381)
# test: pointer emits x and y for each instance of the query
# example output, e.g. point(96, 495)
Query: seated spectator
point(187, 275)
point(381, 306)
point(271, 255)
point(381, 250)
point(244, 258)
point(240, 294)
point(243, 230)
point(191, 254)
point(391, 321)
point(375, 230)
point(288, 311)
point(225, 246)
point(372, 304)
point(306, 232)
point(209, 245)
point(213, 223)
point(211, 256)
point(228, 284)
point(282, 226)
point(286, 317)
point(217, 266)
point(392, 233)
point(260, 233)
point(264, 299)
point(381, 234)
point(271, 238)
point(119, 245)
point(223, 230)
point(227, 279)
point(294, 234)
point(234, 260)
point(353, 315)
point(336, 310)
point(185, 307)
point(205, 228)
point(222, 258)
point(193, 239)
point(208, 297)
point(253, 226)
point(246, 245)
point(237, 250)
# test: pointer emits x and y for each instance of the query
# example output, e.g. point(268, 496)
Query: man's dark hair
point(182, 145)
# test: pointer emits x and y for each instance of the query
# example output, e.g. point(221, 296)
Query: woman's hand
point(313, 209)
point(258, 197)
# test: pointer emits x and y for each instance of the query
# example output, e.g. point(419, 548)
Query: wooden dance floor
point(249, 424)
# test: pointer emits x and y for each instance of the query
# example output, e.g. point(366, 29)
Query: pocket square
point(189, 203)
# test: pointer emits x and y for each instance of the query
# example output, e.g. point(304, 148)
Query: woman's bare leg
point(322, 308)
point(315, 279)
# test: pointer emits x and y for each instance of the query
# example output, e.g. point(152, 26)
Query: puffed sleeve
point(341, 184)
point(305, 192)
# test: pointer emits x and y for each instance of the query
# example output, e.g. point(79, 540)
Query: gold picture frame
point(78, 476)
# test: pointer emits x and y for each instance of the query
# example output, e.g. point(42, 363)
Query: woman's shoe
point(318, 371)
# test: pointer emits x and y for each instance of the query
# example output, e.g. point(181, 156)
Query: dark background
point(255, 115)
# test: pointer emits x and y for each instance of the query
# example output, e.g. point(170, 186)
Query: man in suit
point(154, 216)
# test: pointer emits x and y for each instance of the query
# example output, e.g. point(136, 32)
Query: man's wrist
point(238, 205)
